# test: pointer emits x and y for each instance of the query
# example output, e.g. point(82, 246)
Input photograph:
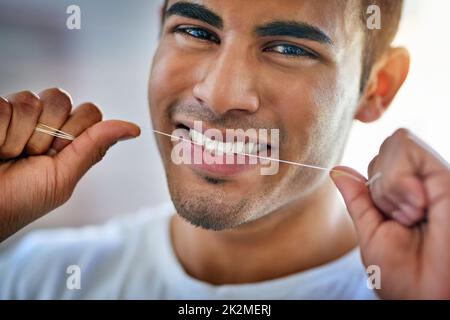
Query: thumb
point(356, 194)
point(90, 147)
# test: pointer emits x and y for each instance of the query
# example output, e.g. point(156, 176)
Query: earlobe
point(371, 110)
point(387, 77)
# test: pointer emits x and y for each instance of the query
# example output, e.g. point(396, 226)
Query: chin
point(221, 202)
point(211, 204)
point(210, 211)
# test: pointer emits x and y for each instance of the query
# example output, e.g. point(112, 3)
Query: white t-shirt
point(133, 258)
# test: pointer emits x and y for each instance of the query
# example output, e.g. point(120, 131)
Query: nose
point(229, 83)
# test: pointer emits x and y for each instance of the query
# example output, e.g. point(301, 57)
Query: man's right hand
point(38, 172)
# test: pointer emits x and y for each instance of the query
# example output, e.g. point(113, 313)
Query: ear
point(387, 77)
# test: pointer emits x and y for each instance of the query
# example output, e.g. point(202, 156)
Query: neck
point(305, 234)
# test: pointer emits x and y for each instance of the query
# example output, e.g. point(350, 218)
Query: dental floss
point(368, 183)
point(53, 132)
point(63, 135)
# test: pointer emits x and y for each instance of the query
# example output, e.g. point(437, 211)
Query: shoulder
point(342, 279)
point(39, 265)
point(351, 278)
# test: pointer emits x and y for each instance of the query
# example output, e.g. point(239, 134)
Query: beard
point(210, 211)
point(210, 206)
point(214, 210)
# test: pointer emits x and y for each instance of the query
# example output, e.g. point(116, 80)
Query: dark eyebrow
point(195, 11)
point(294, 29)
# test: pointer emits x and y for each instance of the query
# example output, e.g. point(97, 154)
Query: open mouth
point(238, 145)
point(224, 154)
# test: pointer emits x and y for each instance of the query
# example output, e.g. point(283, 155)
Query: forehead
point(337, 18)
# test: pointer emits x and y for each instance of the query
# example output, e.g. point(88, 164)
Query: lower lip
point(219, 168)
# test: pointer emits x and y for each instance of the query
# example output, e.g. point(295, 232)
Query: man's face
point(292, 65)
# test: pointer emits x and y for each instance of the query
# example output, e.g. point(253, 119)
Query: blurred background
point(108, 62)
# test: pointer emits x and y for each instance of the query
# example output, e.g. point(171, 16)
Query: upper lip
point(189, 123)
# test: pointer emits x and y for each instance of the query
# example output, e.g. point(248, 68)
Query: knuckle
point(59, 97)
point(396, 143)
point(5, 107)
point(94, 112)
point(91, 136)
point(25, 97)
point(100, 152)
point(372, 164)
point(402, 138)
point(402, 133)
point(28, 102)
point(35, 149)
point(34, 109)
point(385, 144)
point(10, 153)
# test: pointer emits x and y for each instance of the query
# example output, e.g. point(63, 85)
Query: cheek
point(171, 75)
point(305, 104)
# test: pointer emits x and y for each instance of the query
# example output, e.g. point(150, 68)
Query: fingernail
point(415, 201)
point(412, 212)
point(401, 217)
point(51, 152)
point(336, 174)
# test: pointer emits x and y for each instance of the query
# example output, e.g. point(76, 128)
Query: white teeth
point(196, 137)
point(249, 147)
point(262, 147)
point(220, 148)
point(238, 147)
point(229, 148)
point(209, 144)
